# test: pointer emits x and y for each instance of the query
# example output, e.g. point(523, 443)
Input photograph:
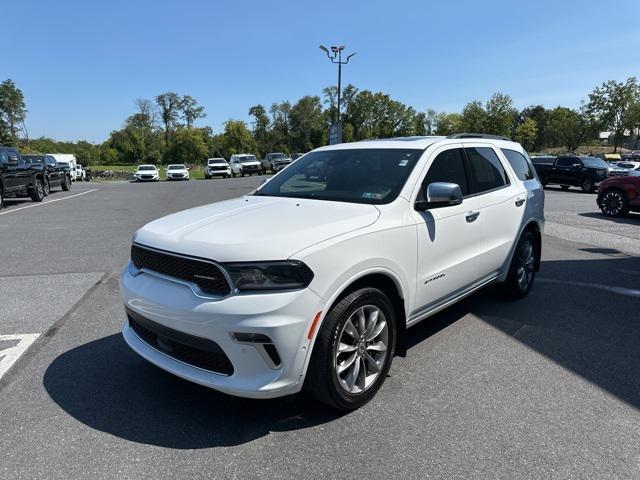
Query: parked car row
point(583, 171)
point(31, 175)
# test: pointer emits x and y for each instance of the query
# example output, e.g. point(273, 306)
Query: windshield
point(373, 176)
point(63, 164)
point(277, 156)
point(248, 159)
point(217, 162)
point(146, 167)
point(594, 162)
point(176, 167)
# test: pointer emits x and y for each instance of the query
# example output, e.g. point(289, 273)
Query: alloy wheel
point(361, 351)
point(612, 203)
point(526, 261)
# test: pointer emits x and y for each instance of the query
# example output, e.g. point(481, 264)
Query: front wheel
point(66, 184)
point(614, 203)
point(353, 350)
point(522, 270)
point(587, 185)
point(47, 188)
point(37, 194)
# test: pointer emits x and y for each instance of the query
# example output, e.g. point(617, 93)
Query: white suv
point(244, 164)
point(311, 282)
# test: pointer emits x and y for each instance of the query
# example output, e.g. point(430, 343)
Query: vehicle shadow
point(630, 219)
point(574, 316)
point(105, 385)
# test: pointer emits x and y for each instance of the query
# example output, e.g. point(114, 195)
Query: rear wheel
point(587, 185)
point(37, 193)
point(66, 184)
point(614, 203)
point(353, 350)
point(522, 271)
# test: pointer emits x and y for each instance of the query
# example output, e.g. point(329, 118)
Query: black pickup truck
point(17, 178)
point(55, 174)
point(571, 171)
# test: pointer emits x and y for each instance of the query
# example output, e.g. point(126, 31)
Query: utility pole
point(335, 131)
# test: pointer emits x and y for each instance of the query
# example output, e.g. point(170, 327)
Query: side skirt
point(441, 304)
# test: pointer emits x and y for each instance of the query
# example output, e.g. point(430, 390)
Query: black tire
point(242, 173)
point(1, 198)
point(233, 174)
point(207, 177)
point(322, 379)
point(66, 184)
point(37, 192)
point(513, 286)
point(47, 188)
point(613, 202)
point(564, 187)
point(587, 185)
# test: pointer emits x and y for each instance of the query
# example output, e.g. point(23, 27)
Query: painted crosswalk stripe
point(9, 356)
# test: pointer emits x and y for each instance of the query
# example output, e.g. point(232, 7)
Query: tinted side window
point(448, 166)
point(565, 162)
point(487, 173)
point(519, 164)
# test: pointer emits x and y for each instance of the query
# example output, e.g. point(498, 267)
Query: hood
point(254, 228)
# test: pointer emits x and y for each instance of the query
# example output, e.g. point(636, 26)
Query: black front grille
point(217, 167)
point(196, 351)
point(204, 274)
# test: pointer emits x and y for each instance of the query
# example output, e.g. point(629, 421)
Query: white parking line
point(9, 356)
point(47, 202)
point(628, 292)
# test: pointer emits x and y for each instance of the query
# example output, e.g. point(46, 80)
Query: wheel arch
point(387, 282)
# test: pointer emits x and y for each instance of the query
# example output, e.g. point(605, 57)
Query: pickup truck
point(571, 171)
point(55, 174)
point(17, 178)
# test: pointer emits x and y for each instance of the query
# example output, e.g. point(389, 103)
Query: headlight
point(257, 276)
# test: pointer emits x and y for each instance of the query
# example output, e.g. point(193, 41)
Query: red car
point(617, 196)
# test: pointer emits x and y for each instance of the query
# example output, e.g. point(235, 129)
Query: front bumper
point(215, 173)
point(284, 317)
point(147, 178)
point(178, 176)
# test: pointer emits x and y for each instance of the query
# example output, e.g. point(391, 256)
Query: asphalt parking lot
point(548, 387)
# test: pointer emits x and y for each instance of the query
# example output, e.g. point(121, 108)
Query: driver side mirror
point(440, 194)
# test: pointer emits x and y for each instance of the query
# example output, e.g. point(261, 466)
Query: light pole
point(336, 57)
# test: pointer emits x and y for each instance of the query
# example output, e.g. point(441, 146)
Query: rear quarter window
point(520, 164)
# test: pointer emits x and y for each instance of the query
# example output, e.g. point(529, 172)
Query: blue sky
point(81, 64)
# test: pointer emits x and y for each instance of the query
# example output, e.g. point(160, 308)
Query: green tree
point(474, 117)
point(169, 105)
point(260, 127)
point(430, 122)
point(188, 147)
point(540, 115)
point(571, 127)
point(13, 111)
point(448, 123)
point(526, 133)
point(190, 110)
point(501, 115)
point(306, 124)
point(610, 103)
point(236, 138)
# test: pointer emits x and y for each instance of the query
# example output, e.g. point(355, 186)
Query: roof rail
point(479, 135)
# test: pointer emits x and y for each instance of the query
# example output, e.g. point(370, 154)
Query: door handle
point(472, 216)
point(520, 201)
